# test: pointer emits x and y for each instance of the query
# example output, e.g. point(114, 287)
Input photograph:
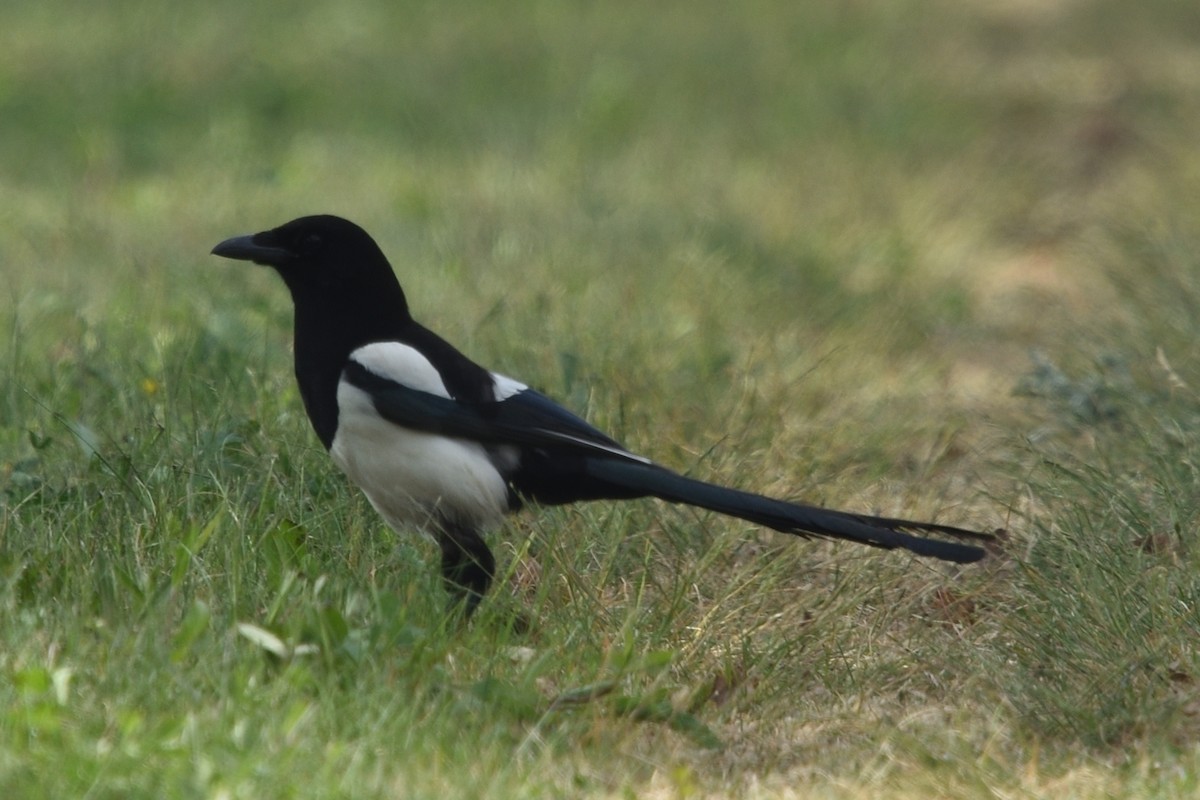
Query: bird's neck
point(326, 333)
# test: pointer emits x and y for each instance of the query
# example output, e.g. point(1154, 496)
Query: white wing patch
point(403, 364)
point(506, 387)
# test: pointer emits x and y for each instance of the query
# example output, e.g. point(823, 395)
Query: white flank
point(411, 477)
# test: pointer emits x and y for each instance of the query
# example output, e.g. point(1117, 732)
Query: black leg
point(467, 565)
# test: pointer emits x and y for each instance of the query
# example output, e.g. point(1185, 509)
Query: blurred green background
point(763, 185)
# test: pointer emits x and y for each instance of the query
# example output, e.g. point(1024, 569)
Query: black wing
point(526, 419)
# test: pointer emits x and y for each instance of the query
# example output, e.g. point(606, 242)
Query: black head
point(342, 285)
point(319, 255)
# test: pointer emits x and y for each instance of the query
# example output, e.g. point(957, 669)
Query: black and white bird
point(438, 443)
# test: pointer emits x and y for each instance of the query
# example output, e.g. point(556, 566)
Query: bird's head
point(318, 254)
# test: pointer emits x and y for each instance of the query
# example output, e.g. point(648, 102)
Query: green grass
point(802, 248)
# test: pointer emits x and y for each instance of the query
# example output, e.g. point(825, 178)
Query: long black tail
point(794, 518)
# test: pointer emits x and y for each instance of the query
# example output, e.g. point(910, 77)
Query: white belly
point(413, 478)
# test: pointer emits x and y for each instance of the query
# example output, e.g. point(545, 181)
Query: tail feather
point(794, 518)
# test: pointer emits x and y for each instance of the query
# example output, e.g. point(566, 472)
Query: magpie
point(443, 445)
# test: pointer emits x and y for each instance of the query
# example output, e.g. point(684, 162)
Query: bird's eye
point(311, 242)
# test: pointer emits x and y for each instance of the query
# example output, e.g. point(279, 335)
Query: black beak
point(252, 248)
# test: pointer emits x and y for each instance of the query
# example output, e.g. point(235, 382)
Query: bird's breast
point(413, 478)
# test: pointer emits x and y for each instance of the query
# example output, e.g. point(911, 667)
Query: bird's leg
point(467, 565)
